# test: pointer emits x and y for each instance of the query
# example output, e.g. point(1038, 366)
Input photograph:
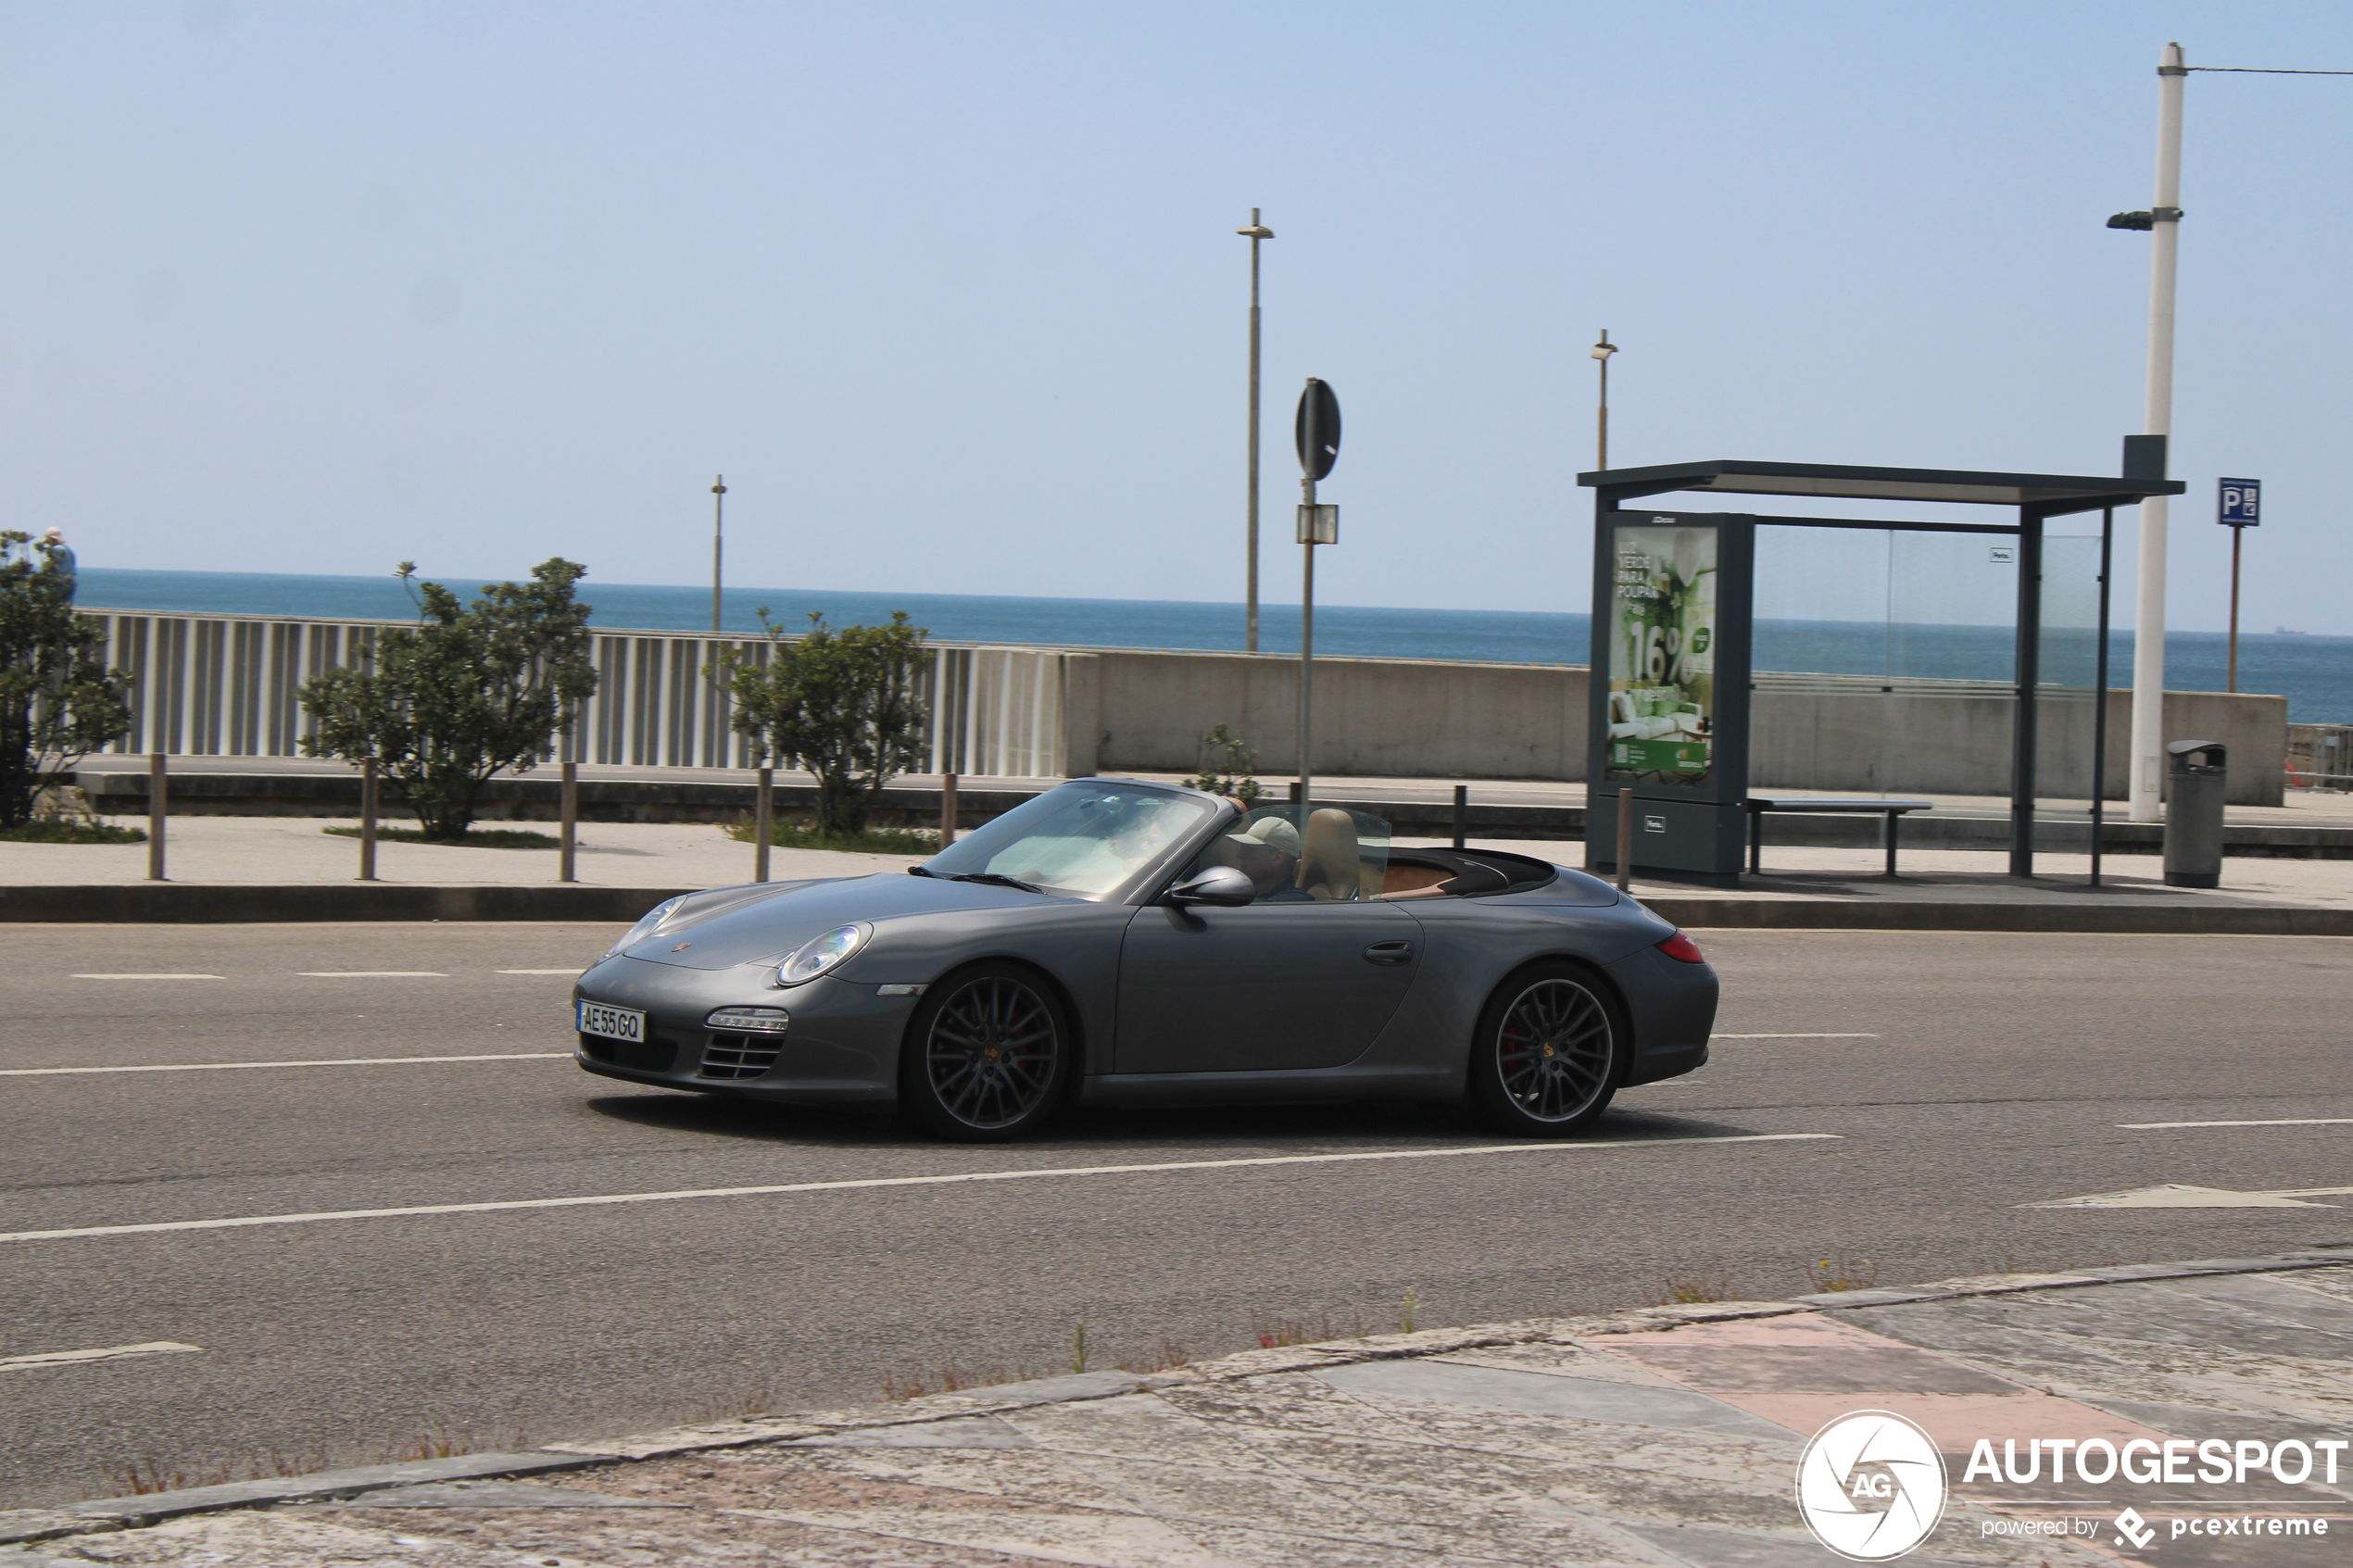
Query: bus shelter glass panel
point(1952, 633)
point(1818, 715)
point(1886, 660)
point(2069, 670)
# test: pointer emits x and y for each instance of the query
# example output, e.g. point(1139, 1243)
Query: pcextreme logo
point(1871, 1485)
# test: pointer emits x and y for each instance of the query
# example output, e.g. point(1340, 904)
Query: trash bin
point(2195, 777)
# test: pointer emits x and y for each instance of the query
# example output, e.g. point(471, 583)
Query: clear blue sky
point(951, 292)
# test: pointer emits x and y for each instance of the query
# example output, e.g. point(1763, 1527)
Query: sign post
point(1315, 434)
point(2239, 507)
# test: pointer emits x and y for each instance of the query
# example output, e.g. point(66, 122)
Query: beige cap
point(1273, 833)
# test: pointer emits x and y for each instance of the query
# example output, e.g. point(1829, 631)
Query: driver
point(1266, 852)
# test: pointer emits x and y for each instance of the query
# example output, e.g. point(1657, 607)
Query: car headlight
point(818, 954)
point(648, 924)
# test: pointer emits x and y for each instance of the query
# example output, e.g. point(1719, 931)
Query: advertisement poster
point(1662, 665)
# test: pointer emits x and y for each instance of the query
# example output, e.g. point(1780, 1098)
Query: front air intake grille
point(656, 1054)
point(740, 1056)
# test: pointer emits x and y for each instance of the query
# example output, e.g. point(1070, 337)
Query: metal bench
point(1862, 806)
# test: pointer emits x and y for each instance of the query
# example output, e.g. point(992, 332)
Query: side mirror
point(1219, 886)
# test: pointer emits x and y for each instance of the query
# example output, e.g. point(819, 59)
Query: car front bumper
point(841, 1045)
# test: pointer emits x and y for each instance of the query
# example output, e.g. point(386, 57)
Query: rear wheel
point(986, 1055)
point(1549, 1052)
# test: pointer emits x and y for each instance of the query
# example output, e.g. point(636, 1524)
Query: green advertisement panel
point(1663, 723)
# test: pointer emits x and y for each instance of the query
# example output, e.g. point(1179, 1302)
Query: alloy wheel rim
point(991, 1053)
point(1554, 1050)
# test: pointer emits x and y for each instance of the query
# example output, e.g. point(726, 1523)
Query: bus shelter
point(1674, 631)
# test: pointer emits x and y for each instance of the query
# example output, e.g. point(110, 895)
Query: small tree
point(1222, 749)
point(840, 704)
point(58, 701)
point(472, 690)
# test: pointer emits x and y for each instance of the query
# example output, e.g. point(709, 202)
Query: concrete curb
point(107, 1514)
point(1861, 914)
point(176, 903)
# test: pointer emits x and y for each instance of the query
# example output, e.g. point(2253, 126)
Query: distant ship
point(2287, 631)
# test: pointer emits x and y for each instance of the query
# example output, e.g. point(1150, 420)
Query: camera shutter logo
point(1871, 1485)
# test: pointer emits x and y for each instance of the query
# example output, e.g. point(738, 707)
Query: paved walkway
point(283, 850)
point(1674, 1438)
point(2301, 808)
point(290, 850)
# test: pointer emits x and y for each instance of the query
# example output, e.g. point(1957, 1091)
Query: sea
point(2315, 673)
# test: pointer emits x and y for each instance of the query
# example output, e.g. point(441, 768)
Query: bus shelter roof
point(2052, 495)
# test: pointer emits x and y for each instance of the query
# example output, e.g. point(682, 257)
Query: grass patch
point(873, 841)
point(1837, 1273)
point(1691, 1291)
point(478, 838)
point(72, 832)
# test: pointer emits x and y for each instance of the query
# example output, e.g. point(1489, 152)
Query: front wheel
point(986, 1055)
point(1548, 1053)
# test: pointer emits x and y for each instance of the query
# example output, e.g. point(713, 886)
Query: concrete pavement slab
point(1656, 1438)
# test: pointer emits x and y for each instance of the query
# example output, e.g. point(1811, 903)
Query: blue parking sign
point(2242, 503)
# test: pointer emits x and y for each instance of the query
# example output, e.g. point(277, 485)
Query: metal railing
point(2319, 757)
point(217, 685)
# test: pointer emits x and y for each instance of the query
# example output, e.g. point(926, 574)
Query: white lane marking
point(2174, 1194)
point(1796, 1036)
point(372, 974)
point(573, 970)
point(322, 1061)
point(2282, 1122)
point(109, 1353)
point(149, 977)
point(244, 1221)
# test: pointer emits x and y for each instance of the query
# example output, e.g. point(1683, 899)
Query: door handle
point(1390, 953)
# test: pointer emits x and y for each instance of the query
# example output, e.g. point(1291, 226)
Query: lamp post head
point(719, 484)
point(1256, 232)
point(1604, 348)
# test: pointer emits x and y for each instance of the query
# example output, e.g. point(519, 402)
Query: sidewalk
point(282, 850)
point(1670, 1436)
point(288, 868)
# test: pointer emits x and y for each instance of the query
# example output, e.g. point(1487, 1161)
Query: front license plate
point(614, 1023)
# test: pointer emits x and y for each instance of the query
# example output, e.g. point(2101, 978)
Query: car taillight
point(1682, 948)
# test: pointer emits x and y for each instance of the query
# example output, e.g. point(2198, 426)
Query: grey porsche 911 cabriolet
point(1118, 942)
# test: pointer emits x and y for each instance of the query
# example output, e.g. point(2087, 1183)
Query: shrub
point(1227, 766)
point(472, 690)
point(840, 704)
point(58, 701)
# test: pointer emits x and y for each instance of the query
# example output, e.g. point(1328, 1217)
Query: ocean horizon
point(2315, 673)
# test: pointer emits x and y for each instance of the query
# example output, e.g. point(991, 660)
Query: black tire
point(1549, 1052)
point(986, 1055)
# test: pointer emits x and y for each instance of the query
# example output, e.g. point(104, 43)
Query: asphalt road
point(1959, 1076)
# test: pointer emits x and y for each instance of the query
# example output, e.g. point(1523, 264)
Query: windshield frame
point(1146, 882)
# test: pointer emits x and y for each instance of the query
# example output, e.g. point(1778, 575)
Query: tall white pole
point(2148, 621)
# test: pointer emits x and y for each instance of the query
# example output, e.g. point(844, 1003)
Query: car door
point(1267, 987)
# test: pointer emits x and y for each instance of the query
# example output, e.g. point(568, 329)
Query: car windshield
point(1086, 839)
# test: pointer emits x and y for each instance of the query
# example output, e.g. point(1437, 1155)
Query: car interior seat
point(1330, 864)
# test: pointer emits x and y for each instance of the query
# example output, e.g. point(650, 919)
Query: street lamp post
point(1255, 233)
point(718, 517)
point(1601, 351)
point(2164, 219)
